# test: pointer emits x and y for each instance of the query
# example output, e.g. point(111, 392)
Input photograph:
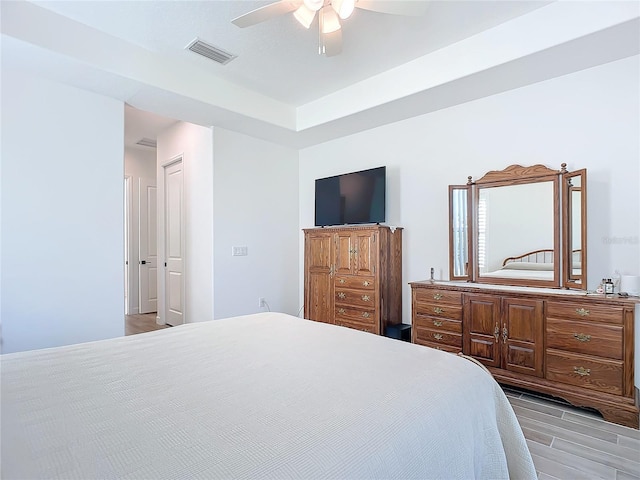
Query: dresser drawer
point(602, 340)
point(438, 346)
point(355, 314)
point(585, 312)
point(364, 327)
point(439, 337)
point(355, 282)
point(437, 297)
point(439, 324)
point(362, 298)
point(585, 371)
point(452, 312)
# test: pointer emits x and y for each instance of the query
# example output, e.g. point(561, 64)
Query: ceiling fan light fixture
point(313, 5)
point(330, 20)
point(304, 15)
point(344, 8)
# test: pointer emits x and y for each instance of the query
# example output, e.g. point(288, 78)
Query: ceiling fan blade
point(265, 13)
point(413, 8)
point(332, 43)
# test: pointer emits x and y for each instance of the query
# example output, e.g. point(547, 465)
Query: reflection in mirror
point(516, 232)
point(575, 233)
point(459, 211)
point(574, 198)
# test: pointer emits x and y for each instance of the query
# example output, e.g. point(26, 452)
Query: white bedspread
point(260, 396)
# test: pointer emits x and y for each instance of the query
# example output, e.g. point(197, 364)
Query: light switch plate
point(239, 251)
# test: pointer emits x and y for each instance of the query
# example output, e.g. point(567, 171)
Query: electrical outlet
point(261, 302)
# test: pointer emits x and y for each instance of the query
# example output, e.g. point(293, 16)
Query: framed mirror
point(574, 198)
point(506, 228)
point(460, 220)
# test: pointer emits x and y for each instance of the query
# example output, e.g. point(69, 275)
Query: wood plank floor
point(141, 323)
point(566, 442)
point(574, 443)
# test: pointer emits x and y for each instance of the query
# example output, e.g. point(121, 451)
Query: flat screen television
point(351, 198)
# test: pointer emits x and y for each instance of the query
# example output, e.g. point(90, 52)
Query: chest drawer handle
point(582, 312)
point(437, 336)
point(341, 311)
point(437, 296)
point(366, 314)
point(366, 298)
point(437, 323)
point(583, 372)
point(342, 280)
point(366, 283)
point(438, 310)
point(581, 337)
point(342, 295)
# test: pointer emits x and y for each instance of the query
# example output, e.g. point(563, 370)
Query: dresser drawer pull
point(342, 280)
point(437, 323)
point(342, 295)
point(366, 283)
point(583, 372)
point(437, 296)
point(581, 337)
point(582, 312)
point(438, 310)
point(366, 298)
point(366, 314)
point(437, 336)
point(341, 311)
point(496, 333)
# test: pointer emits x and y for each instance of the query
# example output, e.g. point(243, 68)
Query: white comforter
point(260, 396)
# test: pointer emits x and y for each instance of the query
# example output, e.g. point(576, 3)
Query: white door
point(148, 252)
point(174, 243)
point(127, 219)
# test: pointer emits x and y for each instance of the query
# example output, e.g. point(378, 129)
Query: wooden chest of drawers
point(576, 347)
point(437, 319)
point(352, 276)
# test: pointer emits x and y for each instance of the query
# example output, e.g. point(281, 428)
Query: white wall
point(589, 119)
point(62, 214)
point(194, 144)
point(137, 164)
point(256, 205)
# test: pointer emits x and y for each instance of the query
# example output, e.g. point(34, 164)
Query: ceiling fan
point(329, 13)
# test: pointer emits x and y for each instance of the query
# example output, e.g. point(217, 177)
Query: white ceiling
point(279, 88)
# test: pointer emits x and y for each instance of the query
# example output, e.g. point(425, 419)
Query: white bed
point(260, 396)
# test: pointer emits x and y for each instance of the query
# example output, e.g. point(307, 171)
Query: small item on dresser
point(600, 288)
point(432, 272)
point(608, 286)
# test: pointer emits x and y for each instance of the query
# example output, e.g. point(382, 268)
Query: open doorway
point(141, 256)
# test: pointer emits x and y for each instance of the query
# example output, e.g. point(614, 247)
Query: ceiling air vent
point(147, 142)
point(213, 53)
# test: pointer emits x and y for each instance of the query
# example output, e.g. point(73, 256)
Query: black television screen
point(357, 197)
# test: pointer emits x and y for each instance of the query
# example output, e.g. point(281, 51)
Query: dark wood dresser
point(570, 345)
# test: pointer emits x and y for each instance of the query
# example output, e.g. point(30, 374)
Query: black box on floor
point(401, 331)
